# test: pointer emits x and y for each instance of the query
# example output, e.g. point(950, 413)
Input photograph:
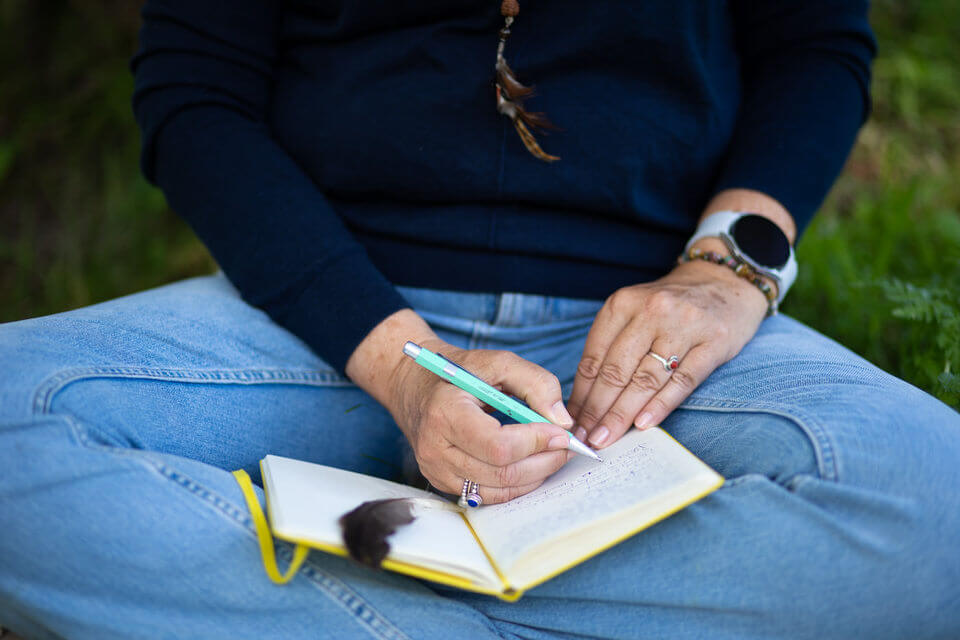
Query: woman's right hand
point(452, 435)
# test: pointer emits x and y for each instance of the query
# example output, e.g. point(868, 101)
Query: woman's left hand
point(701, 312)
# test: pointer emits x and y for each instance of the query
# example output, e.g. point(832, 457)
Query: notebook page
point(306, 501)
point(642, 466)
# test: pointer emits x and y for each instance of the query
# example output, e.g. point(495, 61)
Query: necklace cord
point(511, 93)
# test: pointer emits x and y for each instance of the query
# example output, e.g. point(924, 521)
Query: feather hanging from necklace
point(511, 93)
point(366, 529)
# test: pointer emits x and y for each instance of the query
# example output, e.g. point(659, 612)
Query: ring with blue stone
point(473, 496)
point(470, 494)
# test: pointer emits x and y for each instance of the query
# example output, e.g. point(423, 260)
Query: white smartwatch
point(755, 240)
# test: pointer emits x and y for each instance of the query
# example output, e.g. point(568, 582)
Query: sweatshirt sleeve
point(806, 91)
point(202, 85)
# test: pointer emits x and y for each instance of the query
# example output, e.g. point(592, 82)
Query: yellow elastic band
point(265, 538)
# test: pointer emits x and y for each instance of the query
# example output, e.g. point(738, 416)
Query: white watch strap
point(714, 225)
point(718, 224)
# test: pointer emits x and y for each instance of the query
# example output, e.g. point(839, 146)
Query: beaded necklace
point(511, 93)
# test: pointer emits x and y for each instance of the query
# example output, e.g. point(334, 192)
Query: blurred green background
point(78, 224)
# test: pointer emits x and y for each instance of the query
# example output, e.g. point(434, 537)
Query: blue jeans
point(119, 424)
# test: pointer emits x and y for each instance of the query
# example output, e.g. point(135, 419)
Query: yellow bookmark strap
point(264, 536)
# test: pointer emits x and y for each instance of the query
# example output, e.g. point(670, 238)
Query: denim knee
point(739, 442)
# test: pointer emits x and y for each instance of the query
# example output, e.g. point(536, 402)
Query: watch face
point(761, 240)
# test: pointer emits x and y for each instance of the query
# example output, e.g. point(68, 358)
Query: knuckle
point(511, 493)
point(725, 356)
point(644, 381)
point(508, 476)
point(613, 302)
point(491, 495)
point(658, 406)
point(720, 332)
point(690, 314)
point(615, 416)
point(660, 302)
point(509, 357)
point(589, 416)
point(613, 374)
point(619, 302)
point(545, 382)
point(499, 452)
point(516, 492)
point(508, 493)
point(684, 380)
point(484, 360)
point(589, 367)
point(551, 381)
point(505, 362)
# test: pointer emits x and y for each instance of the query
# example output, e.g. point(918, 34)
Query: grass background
point(78, 224)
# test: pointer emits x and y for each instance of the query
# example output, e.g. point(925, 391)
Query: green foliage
point(939, 307)
point(78, 224)
point(881, 263)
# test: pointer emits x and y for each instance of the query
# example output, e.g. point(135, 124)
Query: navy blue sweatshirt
point(326, 151)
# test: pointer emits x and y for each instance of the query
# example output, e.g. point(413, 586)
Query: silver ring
point(470, 494)
point(669, 364)
point(473, 498)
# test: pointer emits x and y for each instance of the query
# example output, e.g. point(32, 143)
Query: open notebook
point(501, 549)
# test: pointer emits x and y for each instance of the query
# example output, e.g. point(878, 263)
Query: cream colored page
point(638, 467)
point(306, 501)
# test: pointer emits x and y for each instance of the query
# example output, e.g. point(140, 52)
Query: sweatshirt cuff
point(340, 307)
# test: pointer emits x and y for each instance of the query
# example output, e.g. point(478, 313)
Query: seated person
point(364, 177)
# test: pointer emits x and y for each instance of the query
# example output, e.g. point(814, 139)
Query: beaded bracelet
point(739, 267)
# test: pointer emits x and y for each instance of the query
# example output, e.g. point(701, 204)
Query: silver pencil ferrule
point(412, 349)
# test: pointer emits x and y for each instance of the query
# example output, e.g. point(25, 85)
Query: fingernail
point(558, 443)
point(599, 436)
point(561, 415)
point(644, 420)
point(581, 434)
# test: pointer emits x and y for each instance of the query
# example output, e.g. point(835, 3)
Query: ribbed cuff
point(340, 307)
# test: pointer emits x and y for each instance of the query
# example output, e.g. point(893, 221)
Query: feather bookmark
point(511, 93)
point(366, 529)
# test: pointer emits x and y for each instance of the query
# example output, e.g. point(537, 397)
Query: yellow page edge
point(617, 541)
point(720, 481)
point(508, 593)
point(397, 566)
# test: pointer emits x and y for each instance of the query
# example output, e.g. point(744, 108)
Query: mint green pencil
point(479, 389)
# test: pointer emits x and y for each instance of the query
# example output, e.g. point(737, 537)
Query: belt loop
point(506, 306)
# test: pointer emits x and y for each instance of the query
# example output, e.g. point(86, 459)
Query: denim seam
point(336, 590)
point(747, 477)
point(342, 594)
point(793, 484)
point(824, 450)
point(48, 389)
point(478, 335)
